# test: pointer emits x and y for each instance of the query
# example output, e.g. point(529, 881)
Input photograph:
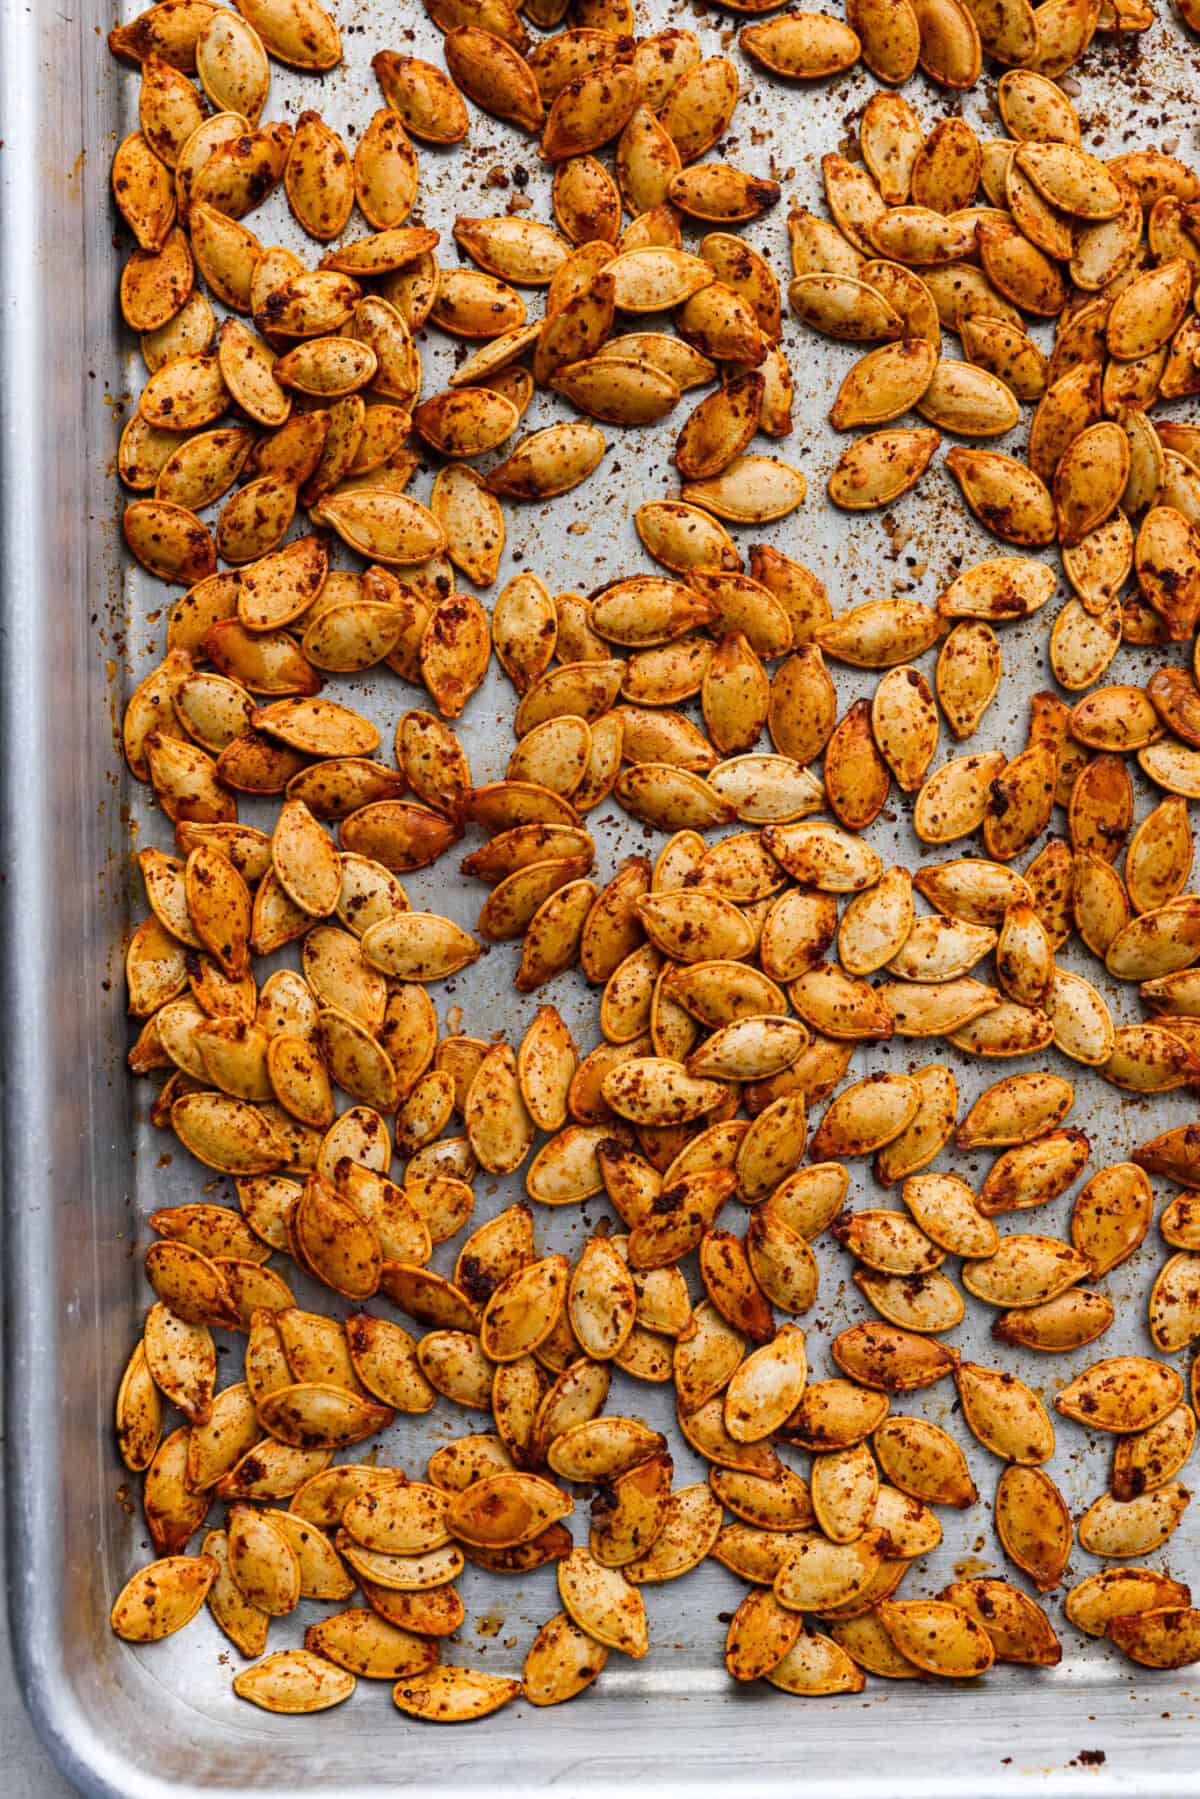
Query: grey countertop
point(29, 1772)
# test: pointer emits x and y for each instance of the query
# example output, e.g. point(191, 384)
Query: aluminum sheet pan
point(83, 1168)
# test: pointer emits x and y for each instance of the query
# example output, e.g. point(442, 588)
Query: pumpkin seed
point(1034, 1173)
point(766, 1387)
point(877, 469)
point(760, 1634)
point(524, 1309)
point(890, 137)
point(816, 1665)
point(890, 1359)
point(1146, 1459)
point(1073, 1319)
point(1004, 495)
point(843, 305)
point(454, 1695)
point(887, 382)
point(1019, 1629)
point(775, 1502)
point(294, 1680)
point(1004, 1414)
point(1116, 1593)
point(1158, 1639)
point(163, 1597)
point(802, 46)
point(821, 1574)
point(1126, 1528)
point(603, 1603)
point(835, 1414)
point(1125, 1393)
point(890, 39)
point(1172, 1320)
point(506, 1509)
point(923, 1460)
point(563, 1660)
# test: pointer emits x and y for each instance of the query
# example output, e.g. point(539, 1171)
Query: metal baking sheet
point(83, 1168)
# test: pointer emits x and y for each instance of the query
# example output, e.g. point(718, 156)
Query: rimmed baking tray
point(82, 1167)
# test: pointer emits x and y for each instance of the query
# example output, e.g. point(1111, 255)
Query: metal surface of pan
point(82, 1163)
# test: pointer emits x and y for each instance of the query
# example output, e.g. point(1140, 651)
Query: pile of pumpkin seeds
point(733, 991)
